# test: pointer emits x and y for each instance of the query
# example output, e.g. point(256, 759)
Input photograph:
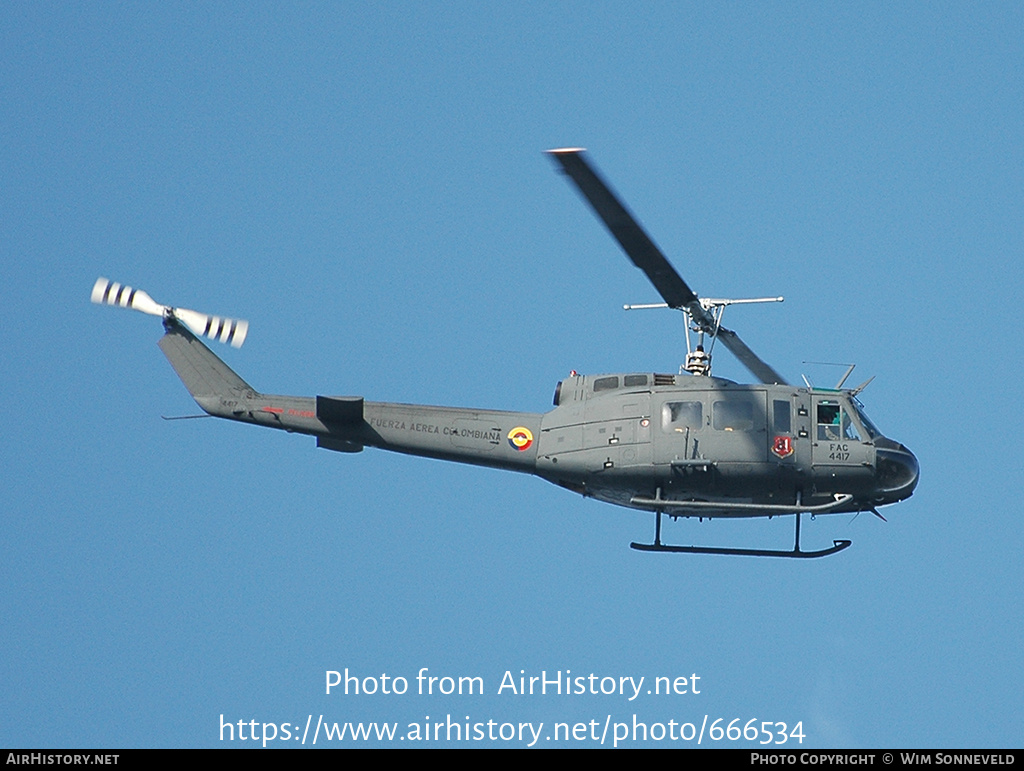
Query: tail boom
point(493, 438)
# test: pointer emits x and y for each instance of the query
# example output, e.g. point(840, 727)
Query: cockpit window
point(865, 421)
point(834, 423)
point(634, 380)
point(605, 384)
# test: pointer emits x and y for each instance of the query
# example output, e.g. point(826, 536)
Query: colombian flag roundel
point(520, 438)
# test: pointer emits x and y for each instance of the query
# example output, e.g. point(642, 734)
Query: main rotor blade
point(648, 257)
point(758, 368)
point(624, 227)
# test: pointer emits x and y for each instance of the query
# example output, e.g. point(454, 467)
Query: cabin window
point(733, 415)
point(682, 416)
point(783, 424)
point(634, 380)
point(605, 384)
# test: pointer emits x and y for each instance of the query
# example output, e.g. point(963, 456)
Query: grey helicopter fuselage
point(686, 445)
point(618, 438)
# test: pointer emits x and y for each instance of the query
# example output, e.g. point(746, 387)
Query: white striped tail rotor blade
point(218, 328)
point(224, 330)
point(107, 292)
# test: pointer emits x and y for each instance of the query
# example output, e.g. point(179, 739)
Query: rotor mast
point(709, 321)
point(705, 316)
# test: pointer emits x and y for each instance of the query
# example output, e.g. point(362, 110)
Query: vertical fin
point(198, 367)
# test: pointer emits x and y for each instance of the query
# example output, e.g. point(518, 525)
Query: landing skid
point(798, 553)
point(795, 552)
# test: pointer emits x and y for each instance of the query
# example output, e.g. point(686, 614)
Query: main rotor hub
point(698, 362)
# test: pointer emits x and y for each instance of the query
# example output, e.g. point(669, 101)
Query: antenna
point(849, 369)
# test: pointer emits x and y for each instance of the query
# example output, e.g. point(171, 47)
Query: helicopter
point(685, 444)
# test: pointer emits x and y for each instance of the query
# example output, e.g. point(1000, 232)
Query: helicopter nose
point(898, 472)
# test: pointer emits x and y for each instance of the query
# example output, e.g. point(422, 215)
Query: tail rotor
point(219, 328)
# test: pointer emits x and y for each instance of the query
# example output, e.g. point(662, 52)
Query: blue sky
point(365, 184)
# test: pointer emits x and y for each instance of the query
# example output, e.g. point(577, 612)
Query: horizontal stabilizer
point(345, 410)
